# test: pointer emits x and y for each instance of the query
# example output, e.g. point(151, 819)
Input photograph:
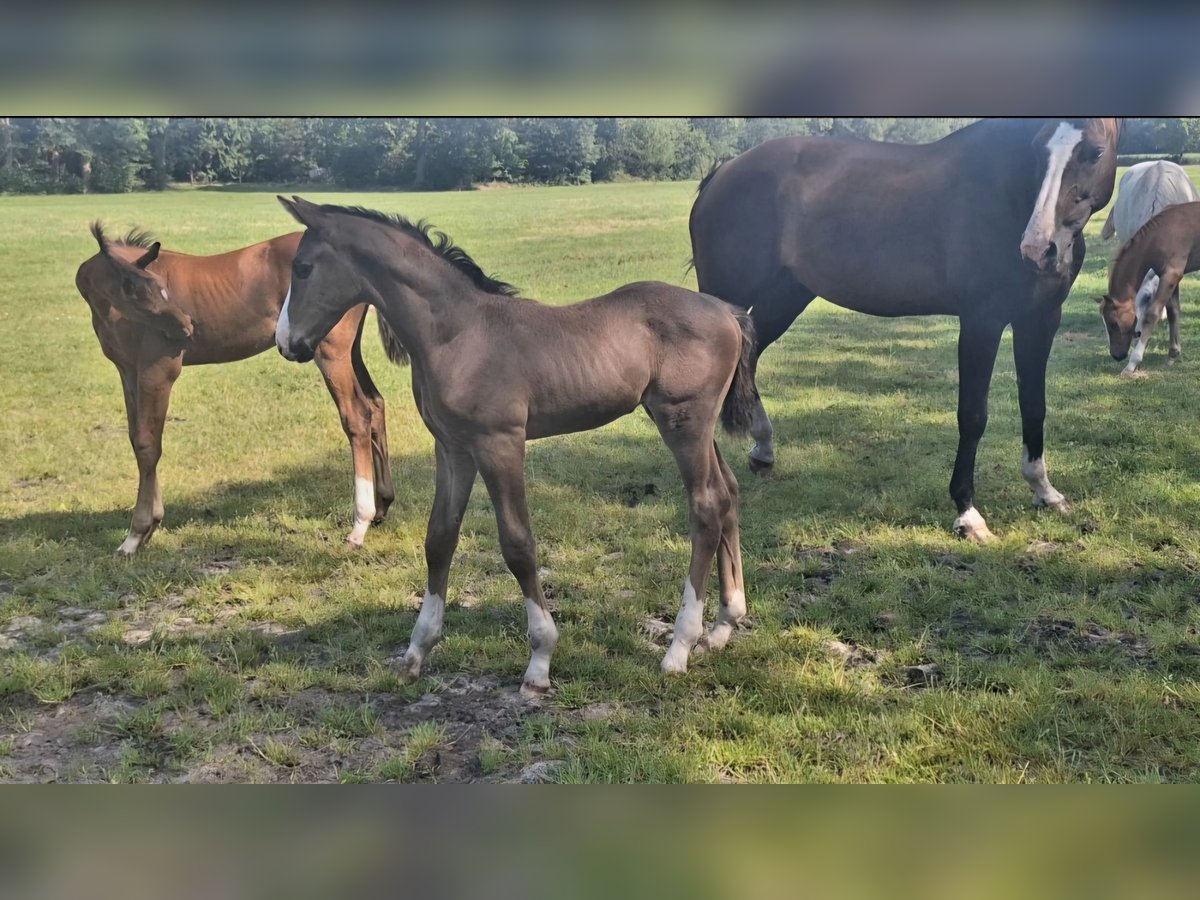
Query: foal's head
point(325, 285)
point(126, 283)
point(1125, 315)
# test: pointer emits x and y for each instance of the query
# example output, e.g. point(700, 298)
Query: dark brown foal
point(156, 311)
point(491, 371)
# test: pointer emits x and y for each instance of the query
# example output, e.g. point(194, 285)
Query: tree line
point(115, 155)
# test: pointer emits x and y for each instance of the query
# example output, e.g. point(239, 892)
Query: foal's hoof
point(407, 668)
point(532, 692)
point(1132, 374)
point(352, 544)
point(128, 548)
point(1061, 506)
point(760, 466)
point(675, 662)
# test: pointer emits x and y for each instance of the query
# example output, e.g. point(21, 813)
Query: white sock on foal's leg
point(543, 635)
point(727, 618)
point(689, 625)
point(364, 510)
point(426, 633)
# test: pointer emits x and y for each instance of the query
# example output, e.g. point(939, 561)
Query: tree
point(558, 151)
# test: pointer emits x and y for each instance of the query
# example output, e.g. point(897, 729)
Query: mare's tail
point(391, 342)
point(737, 411)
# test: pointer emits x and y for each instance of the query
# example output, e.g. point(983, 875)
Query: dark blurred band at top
point(531, 60)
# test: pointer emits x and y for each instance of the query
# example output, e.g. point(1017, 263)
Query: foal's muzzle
point(296, 351)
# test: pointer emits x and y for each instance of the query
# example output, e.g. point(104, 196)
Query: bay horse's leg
point(501, 461)
point(729, 566)
point(978, 342)
point(773, 309)
point(1033, 336)
point(333, 359)
point(1173, 324)
point(153, 395)
point(708, 504)
point(455, 478)
point(385, 492)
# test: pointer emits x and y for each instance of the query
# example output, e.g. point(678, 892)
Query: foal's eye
point(301, 270)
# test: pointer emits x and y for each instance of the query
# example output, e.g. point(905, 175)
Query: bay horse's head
point(1125, 316)
point(325, 284)
point(1077, 166)
point(127, 284)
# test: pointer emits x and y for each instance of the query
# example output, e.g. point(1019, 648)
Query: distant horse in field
point(492, 371)
point(985, 224)
point(1144, 282)
point(1143, 192)
point(156, 311)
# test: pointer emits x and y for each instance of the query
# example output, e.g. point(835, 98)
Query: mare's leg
point(455, 478)
point(978, 341)
point(729, 565)
point(708, 504)
point(1033, 336)
point(501, 461)
point(385, 492)
point(333, 359)
point(152, 391)
point(773, 309)
point(1173, 324)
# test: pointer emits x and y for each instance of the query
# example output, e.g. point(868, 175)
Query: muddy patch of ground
point(1048, 634)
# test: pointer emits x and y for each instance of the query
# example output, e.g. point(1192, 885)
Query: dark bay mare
point(492, 371)
point(156, 311)
point(1144, 282)
point(986, 224)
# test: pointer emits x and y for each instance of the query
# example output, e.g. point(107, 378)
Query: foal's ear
point(149, 256)
point(301, 210)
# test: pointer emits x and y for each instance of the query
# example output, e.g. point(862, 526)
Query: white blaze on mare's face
point(1040, 229)
point(689, 625)
point(281, 327)
point(426, 633)
point(543, 635)
point(364, 509)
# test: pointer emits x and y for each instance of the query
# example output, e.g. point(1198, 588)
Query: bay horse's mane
point(135, 237)
point(436, 240)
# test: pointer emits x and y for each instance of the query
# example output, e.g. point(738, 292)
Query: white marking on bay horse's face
point(1040, 230)
point(282, 337)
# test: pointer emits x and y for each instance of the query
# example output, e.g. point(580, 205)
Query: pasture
point(246, 644)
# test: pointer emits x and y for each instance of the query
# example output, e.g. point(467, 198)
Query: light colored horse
point(1144, 191)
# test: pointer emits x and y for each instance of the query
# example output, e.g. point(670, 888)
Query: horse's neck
point(432, 311)
point(1130, 268)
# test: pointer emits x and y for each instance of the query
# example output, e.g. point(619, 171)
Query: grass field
point(245, 644)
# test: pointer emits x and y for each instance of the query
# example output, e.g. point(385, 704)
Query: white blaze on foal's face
point(1040, 230)
point(282, 327)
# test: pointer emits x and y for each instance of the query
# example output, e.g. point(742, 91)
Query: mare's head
point(125, 282)
point(1077, 165)
point(325, 282)
point(1125, 315)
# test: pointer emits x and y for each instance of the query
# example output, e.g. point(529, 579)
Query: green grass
point(1065, 651)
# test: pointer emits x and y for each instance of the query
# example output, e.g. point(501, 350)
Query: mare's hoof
point(975, 531)
point(532, 692)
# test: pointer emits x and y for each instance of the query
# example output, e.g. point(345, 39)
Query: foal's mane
point(1130, 253)
point(135, 237)
point(436, 240)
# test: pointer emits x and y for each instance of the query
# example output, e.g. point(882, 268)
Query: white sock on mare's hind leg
point(689, 625)
point(426, 633)
point(364, 510)
point(1044, 494)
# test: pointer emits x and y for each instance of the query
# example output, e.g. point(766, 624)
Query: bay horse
point(492, 371)
point(156, 311)
point(1145, 190)
point(985, 224)
point(1144, 282)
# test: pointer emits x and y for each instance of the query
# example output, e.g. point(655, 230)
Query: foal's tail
point(737, 411)
point(391, 342)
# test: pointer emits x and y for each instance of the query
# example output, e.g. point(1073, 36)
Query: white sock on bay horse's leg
point(689, 625)
point(426, 633)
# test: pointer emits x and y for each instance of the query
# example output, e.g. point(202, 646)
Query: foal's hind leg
point(708, 504)
point(729, 565)
point(333, 359)
point(455, 478)
point(502, 463)
point(151, 389)
point(385, 492)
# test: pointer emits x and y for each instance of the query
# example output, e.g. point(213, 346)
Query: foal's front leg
point(152, 391)
point(455, 479)
point(502, 463)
